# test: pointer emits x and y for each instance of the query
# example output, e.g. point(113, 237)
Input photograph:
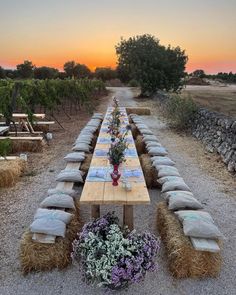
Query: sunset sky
point(51, 32)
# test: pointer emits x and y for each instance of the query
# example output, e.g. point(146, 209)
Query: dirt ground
point(218, 98)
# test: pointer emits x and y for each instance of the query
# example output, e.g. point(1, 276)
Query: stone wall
point(218, 133)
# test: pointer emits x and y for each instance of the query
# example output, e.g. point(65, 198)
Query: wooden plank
point(92, 193)
point(208, 245)
point(22, 137)
point(24, 132)
point(43, 122)
point(4, 129)
point(24, 116)
point(68, 185)
point(138, 195)
point(9, 158)
point(128, 216)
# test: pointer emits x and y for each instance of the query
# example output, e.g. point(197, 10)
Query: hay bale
point(94, 141)
point(140, 145)
point(150, 173)
point(86, 164)
point(138, 111)
point(134, 130)
point(42, 257)
point(184, 261)
point(27, 146)
point(10, 171)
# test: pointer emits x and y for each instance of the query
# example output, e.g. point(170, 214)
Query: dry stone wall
point(218, 133)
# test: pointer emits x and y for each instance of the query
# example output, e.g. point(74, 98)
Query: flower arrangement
point(116, 153)
point(112, 257)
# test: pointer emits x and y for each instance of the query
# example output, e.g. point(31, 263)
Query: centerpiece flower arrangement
point(112, 257)
point(114, 122)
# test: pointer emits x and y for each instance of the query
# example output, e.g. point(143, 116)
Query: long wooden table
point(96, 193)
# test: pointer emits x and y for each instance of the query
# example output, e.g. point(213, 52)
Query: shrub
point(180, 111)
point(111, 257)
point(5, 147)
point(133, 83)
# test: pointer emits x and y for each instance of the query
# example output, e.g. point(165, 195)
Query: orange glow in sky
point(53, 32)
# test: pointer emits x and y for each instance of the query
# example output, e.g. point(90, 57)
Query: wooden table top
point(3, 129)
point(24, 116)
point(103, 192)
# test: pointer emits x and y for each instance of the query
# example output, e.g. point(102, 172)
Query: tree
point(2, 73)
point(81, 71)
point(105, 73)
point(69, 68)
point(199, 74)
point(45, 73)
point(152, 65)
point(25, 70)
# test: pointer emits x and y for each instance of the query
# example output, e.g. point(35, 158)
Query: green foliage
point(25, 70)
point(5, 147)
point(105, 74)
point(154, 66)
point(45, 73)
point(198, 74)
point(2, 73)
point(180, 111)
point(77, 71)
point(26, 95)
point(133, 83)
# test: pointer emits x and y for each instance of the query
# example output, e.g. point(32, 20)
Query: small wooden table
point(96, 193)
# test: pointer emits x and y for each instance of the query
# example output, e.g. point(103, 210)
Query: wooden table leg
point(95, 211)
point(128, 216)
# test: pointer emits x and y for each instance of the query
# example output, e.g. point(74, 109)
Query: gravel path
point(20, 203)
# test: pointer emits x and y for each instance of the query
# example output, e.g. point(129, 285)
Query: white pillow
point(167, 195)
point(146, 131)
point(53, 214)
point(149, 138)
point(150, 144)
point(64, 191)
point(72, 175)
point(58, 201)
point(168, 178)
point(181, 202)
point(175, 185)
point(46, 226)
point(82, 147)
point(165, 170)
point(75, 157)
point(157, 151)
point(198, 224)
point(157, 160)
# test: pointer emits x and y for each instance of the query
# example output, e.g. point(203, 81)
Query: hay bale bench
point(141, 111)
point(11, 169)
point(36, 256)
point(150, 173)
point(184, 261)
point(25, 143)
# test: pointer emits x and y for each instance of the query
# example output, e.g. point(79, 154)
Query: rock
point(231, 166)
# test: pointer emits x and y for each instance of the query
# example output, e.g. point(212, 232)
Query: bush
point(5, 147)
point(133, 83)
point(180, 111)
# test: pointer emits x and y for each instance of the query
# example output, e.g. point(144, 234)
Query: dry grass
point(140, 145)
point(150, 173)
point(134, 130)
point(10, 171)
point(217, 98)
point(184, 261)
point(138, 111)
point(42, 257)
point(86, 164)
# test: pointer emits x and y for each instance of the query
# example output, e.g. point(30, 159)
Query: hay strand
point(150, 173)
point(10, 171)
point(86, 164)
point(140, 145)
point(134, 130)
point(184, 261)
point(139, 111)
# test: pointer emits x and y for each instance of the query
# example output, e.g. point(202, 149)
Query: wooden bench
point(4, 129)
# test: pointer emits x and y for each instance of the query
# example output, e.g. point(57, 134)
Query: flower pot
point(115, 175)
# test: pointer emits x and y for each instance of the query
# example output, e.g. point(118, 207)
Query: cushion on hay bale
point(175, 185)
point(58, 201)
point(198, 224)
point(71, 192)
point(53, 214)
point(168, 178)
point(183, 260)
point(54, 227)
point(149, 171)
point(150, 144)
point(164, 170)
point(157, 151)
point(71, 175)
point(82, 147)
point(145, 131)
point(140, 145)
point(43, 257)
point(167, 195)
point(147, 138)
point(75, 157)
point(181, 202)
point(159, 160)
point(138, 111)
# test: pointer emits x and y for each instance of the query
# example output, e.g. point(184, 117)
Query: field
point(218, 98)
